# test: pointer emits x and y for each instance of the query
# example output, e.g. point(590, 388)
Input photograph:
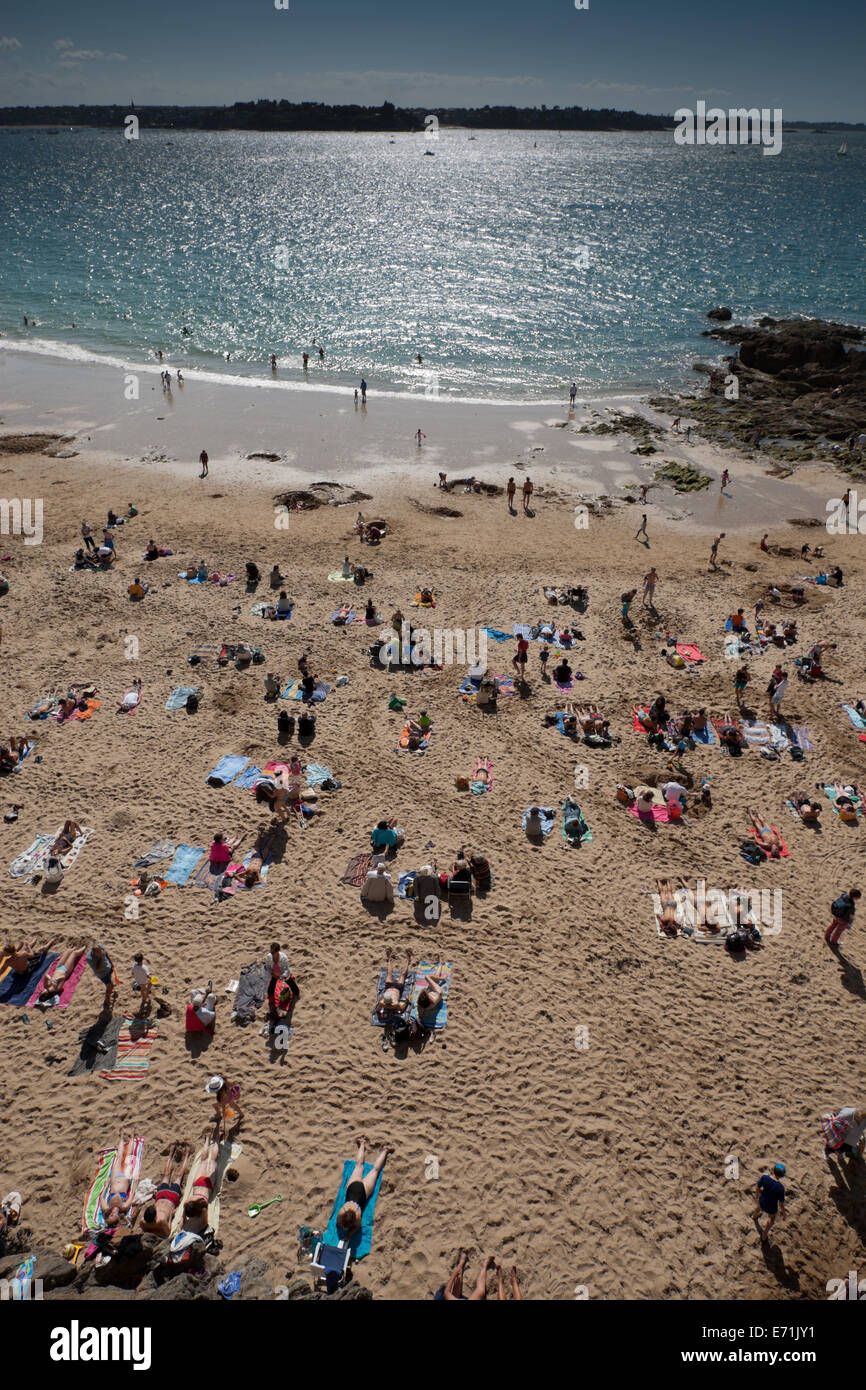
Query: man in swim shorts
point(158, 1216)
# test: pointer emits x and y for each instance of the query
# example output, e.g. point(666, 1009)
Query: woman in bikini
point(359, 1189)
point(667, 920)
point(67, 837)
point(54, 982)
point(156, 1218)
point(116, 1200)
point(431, 993)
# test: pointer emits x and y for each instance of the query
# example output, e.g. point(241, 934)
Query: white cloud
point(63, 43)
point(8, 43)
point(88, 55)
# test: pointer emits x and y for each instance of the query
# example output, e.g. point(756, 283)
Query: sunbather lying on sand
point(769, 839)
point(431, 992)
point(807, 810)
point(21, 957)
point(389, 1004)
point(359, 1189)
point(67, 837)
point(54, 982)
point(667, 919)
point(156, 1218)
point(195, 1210)
point(11, 755)
point(116, 1201)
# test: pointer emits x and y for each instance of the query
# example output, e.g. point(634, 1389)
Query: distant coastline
point(384, 119)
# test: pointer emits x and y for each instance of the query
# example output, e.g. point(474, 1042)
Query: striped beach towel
point(357, 870)
point(93, 1218)
point(436, 1017)
point(137, 1036)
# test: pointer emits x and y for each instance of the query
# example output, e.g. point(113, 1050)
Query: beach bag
point(191, 704)
point(53, 870)
point(736, 941)
point(404, 1030)
point(841, 908)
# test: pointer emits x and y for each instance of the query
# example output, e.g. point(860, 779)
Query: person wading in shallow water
point(202, 458)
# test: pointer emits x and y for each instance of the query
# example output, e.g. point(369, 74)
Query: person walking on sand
point(688, 434)
point(843, 910)
point(777, 693)
point(418, 437)
point(724, 483)
point(676, 425)
point(641, 531)
point(627, 600)
point(509, 493)
point(203, 460)
point(741, 680)
point(714, 550)
point(649, 587)
point(770, 1199)
point(527, 494)
point(363, 391)
point(572, 394)
point(87, 537)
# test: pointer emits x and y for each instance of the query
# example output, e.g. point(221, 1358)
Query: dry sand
point(608, 1167)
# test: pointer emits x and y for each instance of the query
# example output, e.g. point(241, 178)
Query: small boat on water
point(843, 148)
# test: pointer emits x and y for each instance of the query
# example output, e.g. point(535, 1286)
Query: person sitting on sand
point(275, 579)
point(156, 1218)
point(202, 571)
point(202, 1005)
point(460, 881)
point(137, 590)
point(54, 982)
point(657, 713)
point(347, 569)
point(359, 1189)
point(769, 839)
point(738, 621)
point(533, 824)
point(283, 605)
point(789, 631)
point(12, 755)
point(481, 872)
point(378, 886)
point(370, 614)
point(645, 802)
point(116, 1200)
point(152, 550)
point(273, 685)
point(729, 737)
point(221, 851)
point(562, 673)
point(390, 1004)
point(386, 837)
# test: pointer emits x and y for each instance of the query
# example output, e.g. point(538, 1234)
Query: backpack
point(404, 1030)
point(191, 704)
point(841, 908)
point(736, 941)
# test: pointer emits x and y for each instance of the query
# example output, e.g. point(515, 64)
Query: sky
point(804, 56)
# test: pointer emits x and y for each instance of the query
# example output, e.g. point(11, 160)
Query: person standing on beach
point(321, 354)
point(363, 391)
point(688, 434)
point(203, 460)
point(305, 357)
point(777, 694)
point(714, 551)
point(626, 600)
point(741, 680)
point(724, 483)
point(771, 1199)
point(273, 362)
point(87, 536)
point(644, 489)
point(141, 976)
point(572, 394)
point(641, 531)
point(509, 493)
point(843, 910)
point(519, 659)
point(649, 586)
point(418, 437)
point(527, 494)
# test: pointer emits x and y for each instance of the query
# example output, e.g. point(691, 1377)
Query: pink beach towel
point(62, 1000)
point(658, 813)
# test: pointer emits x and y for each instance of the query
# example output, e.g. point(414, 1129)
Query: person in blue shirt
point(771, 1199)
point(385, 837)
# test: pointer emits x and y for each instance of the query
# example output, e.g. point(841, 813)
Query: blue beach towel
point(706, 736)
point(288, 691)
point(560, 724)
point(547, 817)
point(349, 618)
point(436, 1017)
point(361, 1242)
point(17, 989)
point(497, 636)
point(226, 769)
point(178, 697)
point(248, 778)
point(404, 882)
point(317, 774)
point(185, 859)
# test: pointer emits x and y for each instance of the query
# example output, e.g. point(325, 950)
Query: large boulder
point(721, 315)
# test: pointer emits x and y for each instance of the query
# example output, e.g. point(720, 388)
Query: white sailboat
point(843, 148)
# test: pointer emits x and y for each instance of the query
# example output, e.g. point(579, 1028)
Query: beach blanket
point(226, 770)
point(135, 1040)
point(505, 685)
point(784, 852)
point(689, 652)
point(357, 870)
point(833, 792)
point(160, 850)
point(63, 999)
point(437, 1017)
point(179, 696)
point(560, 724)
point(405, 992)
point(568, 685)
point(317, 774)
point(182, 865)
point(802, 738)
point(339, 578)
point(235, 884)
point(360, 1243)
point(268, 610)
point(318, 694)
point(252, 990)
point(547, 817)
point(639, 714)
point(403, 742)
point(90, 708)
point(856, 719)
point(17, 989)
point(43, 709)
point(756, 733)
point(93, 1218)
point(346, 618)
point(479, 787)
point(33, 857)
point(497, 635)
point(469, 688)
point(248, 778)
point(98, 1046)
point(707, 736)
point(418, 603)
point(228, 1151)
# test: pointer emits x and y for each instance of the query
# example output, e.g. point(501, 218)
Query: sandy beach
point(602, 1100)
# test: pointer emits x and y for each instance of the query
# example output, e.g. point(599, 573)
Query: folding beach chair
point(330, 1264)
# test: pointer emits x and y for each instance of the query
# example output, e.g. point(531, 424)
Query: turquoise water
point(514, 262)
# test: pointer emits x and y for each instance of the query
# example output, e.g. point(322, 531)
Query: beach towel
point(98, 1046)
point(252, 990)
point(182, 865)
point(63, 999)
point(317, 774)
point(235, 883)
point(505, 685)
point(496, 634)
point(784, 852)
point(547, 817)
point(469, 687)
point(571, 811)
point(179, 696)
point(639, 713)
point(248, 778)
point(706, 736)
point(360, 1242)
point(560, 724)
point(22, 1280)
point(436, 1017)
point(417, 601)
point(34, 856)
point(567, 686)
point(478, 788)
point(131, 701)
point(17, 989)
point(93, 1218)
point(339, 578)
point(357, 870)
point(802, 738)
point(658, 813)
point(135, 1040)
point(43, 709)
point(160, 850)
point(318, 694)
point(226, 770)
point(833, 792)
point(405, 992)
point(90, 708)
point(348, 618)
point(228, 1151)
point(287, 693)
point(689, 652)
point(405, 884)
